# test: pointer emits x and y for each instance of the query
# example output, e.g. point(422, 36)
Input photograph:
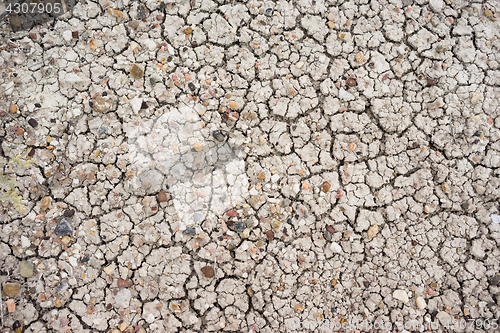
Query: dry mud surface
point(251, 166)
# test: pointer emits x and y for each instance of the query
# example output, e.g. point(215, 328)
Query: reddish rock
point(330, 229)
point(231, 213)
point(125, 283)
point(269, 235)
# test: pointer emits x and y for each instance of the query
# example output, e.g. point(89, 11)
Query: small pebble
point(373, 231)
point(233, 105)
point(45, 203)
point(330, 229)
point(431, 81)
point(401, 295)
point(144, 105)
point(64, 227)
point(198, 146)
point(11, 305)
point(16, 21)
point(360, 57)
point(189, 232)
point(162, 196)
point(269, 235)
point(434, 285)
point(326, 187)
point(136, 71)
point(101, 130)
point(208, 271)
point(124, 283)
point(16, 325)
point(69, 212)
point(231, 213)
point(26, 269)
point(191, 86)
point(13, 108)
point(219, 136)
point(421, 303)
point(495, 280)
point(33, 122)
point(240, 226)
point(351, 82)
point(11, 289)
point(261, 176)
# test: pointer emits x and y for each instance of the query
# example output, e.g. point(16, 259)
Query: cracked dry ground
point(369, 139)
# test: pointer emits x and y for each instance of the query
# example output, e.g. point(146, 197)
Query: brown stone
point(11, 289)
point(11, 305)
point(269, 235)
point(326, 187)
point(351, 82)
point(136, 71)
point(13, 108)
point(208, 271)
point(125, 283)
point(162, 196)
point(330, 229)
point(261, 176)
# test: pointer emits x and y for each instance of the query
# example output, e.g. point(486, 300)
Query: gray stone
point(26, 269)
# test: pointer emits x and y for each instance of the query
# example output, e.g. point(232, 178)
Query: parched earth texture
point(252, 166)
